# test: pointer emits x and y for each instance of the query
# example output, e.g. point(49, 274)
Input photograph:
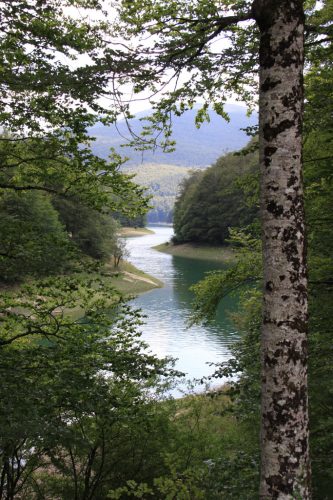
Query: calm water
point(168, 308)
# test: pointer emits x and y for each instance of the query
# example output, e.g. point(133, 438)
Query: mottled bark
point(285, 469)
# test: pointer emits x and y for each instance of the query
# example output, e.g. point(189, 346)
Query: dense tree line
point(43, 235)
point(125, 221)
point(212, 201)
point(51, 215)
point(161, 181)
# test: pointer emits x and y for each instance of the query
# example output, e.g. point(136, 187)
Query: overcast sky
point(138, 102)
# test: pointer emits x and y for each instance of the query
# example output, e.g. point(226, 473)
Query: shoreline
point(126, 280)
point(130, 280)
point(132, 232)
point(221, 254)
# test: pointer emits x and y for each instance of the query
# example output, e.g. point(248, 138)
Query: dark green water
point(168, 308)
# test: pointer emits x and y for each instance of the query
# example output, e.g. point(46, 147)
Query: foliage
point(42, 236)
point(93, 232)
point(206, 458)
point(318, 159)
point(217, 284)
point(211, 202)
point(70, 389)
point(54, 70)
point(61, 165)
point(184, 200)
point(162, 183)
point(138, 221)
point(38, 240)
point(183, 38)
point(38, 43)
point(33, 240)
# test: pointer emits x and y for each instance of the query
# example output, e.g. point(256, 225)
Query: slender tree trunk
point(285, 467)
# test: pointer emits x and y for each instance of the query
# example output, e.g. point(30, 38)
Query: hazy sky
point(138, 102)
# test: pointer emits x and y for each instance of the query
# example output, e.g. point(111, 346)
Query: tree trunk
point(285, 467)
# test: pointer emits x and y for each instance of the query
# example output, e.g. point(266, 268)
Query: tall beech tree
point(265, 38)
point(284, 430)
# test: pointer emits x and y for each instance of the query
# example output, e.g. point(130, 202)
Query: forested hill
point(162, 182)
point(213, 200)
point(194, 147)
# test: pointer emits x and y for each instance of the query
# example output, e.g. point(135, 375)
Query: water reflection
point(168, 309)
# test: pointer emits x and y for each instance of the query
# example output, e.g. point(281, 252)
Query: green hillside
point(198, 147)
point(213, 200)
point(195, 148)
point(162, 181)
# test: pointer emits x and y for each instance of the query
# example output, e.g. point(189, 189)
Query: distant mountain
point(162, 172)
point(194, 147)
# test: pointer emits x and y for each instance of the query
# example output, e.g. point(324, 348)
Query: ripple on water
point(168, 309)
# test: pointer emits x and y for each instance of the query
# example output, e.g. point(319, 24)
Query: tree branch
point(28, 188)
point(319, 159)
point(318, 42)
point(220, 25)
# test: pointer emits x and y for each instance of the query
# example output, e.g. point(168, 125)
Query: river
point(168, 309)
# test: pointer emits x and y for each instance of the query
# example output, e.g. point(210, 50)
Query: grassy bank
point(130, 232)
point(200, 252)
point(127, 279)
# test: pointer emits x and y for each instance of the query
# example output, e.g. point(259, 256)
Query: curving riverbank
point(217, 254)
point(132, 232)
point(130, 280)
point(167, 310)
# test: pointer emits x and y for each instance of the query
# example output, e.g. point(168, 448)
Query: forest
point(161, 181)
point(196, 208)
point(86, 410)
point(212, 201)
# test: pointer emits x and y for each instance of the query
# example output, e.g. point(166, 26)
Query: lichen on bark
point(285, 469)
